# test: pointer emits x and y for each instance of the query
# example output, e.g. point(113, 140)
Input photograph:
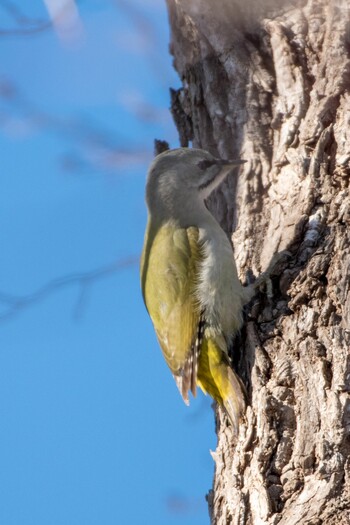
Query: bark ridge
point(270, 83)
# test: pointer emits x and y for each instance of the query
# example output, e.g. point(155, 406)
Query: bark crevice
point(269, 82)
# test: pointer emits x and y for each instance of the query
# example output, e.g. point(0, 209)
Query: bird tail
point(216, 377)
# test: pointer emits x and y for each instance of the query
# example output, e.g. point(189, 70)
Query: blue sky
point(93, 430)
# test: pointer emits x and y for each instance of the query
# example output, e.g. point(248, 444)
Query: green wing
point(169, 273)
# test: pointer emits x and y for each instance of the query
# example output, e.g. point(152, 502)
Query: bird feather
point(169, 292)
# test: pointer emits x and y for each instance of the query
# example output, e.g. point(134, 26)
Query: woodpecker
point(189, 278)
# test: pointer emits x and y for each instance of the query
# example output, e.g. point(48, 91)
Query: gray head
point(184, 175)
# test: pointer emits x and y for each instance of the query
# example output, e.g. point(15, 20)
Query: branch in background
point(66, 20)
point(149, 41)
point(94, 147)
point(25, 25)
point(30, 31)
point(14, 304)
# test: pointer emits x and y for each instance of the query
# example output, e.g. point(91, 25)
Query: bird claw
point(274, 268)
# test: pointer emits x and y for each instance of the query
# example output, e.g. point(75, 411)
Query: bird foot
point(264, 280)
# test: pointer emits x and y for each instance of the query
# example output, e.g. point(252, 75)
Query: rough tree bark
point(269, 81)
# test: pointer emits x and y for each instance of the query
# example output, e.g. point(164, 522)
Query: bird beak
point(225, 168)
point(205, 163)
point(231, 162)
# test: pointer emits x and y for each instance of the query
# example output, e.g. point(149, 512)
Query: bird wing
point(169, 269)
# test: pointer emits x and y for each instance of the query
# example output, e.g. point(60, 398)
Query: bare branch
point(150, 41)
point(97, 147)
point(14, 304)
point(26, 26)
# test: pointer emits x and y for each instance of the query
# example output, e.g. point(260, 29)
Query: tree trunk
point(269, 81)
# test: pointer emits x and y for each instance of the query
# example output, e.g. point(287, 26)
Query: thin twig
point(26, 26)
point(17, 303)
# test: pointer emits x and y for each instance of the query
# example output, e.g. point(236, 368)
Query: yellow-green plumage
point(216, 377)
point(168, 289)
point(189, 280)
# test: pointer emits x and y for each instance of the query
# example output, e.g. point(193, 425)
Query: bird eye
point(205, 164)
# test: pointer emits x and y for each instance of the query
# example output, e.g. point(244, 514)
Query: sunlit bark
point(269, 81)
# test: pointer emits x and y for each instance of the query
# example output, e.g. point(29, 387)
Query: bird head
point(186, 170)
